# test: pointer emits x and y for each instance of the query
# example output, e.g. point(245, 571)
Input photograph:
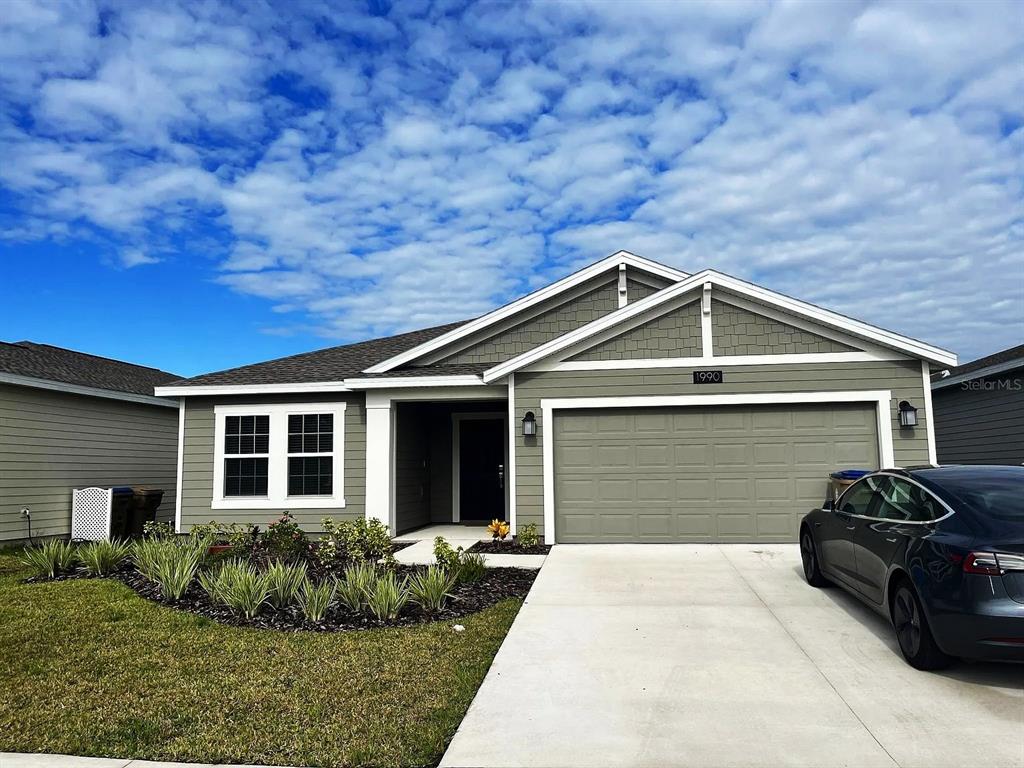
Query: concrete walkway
point(721, 656)
point(422, 552)
point(18, 760)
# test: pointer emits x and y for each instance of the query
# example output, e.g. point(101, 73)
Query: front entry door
point(482, 469)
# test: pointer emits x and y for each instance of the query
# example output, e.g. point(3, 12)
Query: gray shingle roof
point(42, 361)
point(331, 364)
point(1007, 355)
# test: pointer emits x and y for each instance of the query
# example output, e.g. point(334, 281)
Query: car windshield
point(996, 495)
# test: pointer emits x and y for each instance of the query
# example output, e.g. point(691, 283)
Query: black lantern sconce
point(529, 424)
point(908, 414)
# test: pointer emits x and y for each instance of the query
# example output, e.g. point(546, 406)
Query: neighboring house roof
point(42, 362)
point(323, 365)
point(1006, 360)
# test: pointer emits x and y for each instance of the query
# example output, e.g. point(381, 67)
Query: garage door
point(745, 474)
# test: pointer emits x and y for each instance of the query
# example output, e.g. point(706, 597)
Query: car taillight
point(992, 563)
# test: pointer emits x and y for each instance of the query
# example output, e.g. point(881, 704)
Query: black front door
point(482, 469)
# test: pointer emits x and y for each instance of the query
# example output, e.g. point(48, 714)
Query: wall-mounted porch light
point(908, 414)
point(529, 424)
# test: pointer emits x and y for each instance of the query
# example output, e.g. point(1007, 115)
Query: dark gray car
point(939, 551)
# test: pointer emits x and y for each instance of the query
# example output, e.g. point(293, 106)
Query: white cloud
point(372, 173)
point(135, 257)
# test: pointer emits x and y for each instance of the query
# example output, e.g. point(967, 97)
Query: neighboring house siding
point(52, 443)
point(600, 298)
point(197, 474)
point(738, 331)
point(674, 334)
point(903, 378)
point(981, 423)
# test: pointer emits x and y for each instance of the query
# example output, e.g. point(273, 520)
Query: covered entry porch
point(438, 457)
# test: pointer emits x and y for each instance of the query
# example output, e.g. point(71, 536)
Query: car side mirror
point(830, 504)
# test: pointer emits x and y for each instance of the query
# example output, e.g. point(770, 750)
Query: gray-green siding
point(599, 298)
point(737, 331)
point(903, 378)
point(981, 422)
point(197, 463)
point(674, 334)
point(52, 442)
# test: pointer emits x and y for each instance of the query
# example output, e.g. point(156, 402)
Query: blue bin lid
point(119, 489)
point(849, 474)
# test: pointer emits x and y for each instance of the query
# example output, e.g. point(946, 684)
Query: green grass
point(90, 668)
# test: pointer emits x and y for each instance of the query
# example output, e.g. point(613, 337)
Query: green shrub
point(211, 583)
point(431, 588)
point(245, 589)
point(527, 536)
point(175, 567)
point(353, 541)
point(446, 557)
point(145, 555)
point(285, 583)
point(284, 539)
point(102, 557)
point(155, 529)
point(472, 567)
point(53, 558)
point(316, 599)
point(387, 597)
point(356, 581)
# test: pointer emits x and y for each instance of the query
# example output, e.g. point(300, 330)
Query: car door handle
point(851, 527)
point(891, 541)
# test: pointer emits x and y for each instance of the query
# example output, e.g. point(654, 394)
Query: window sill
point(291, 502)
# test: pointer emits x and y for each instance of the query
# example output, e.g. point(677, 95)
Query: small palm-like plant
point(431, 588)
point(387, 597)
point(54, 557)
point(175, 568)
point(285, 583)
point(316, 599)
point(356, 581)
point(101, 557)
point(246, 590)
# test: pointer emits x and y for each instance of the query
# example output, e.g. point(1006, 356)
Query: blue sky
point(201, 185)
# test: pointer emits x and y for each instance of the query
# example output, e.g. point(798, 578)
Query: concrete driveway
point(709, 655)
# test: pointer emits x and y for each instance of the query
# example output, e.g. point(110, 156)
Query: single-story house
point(71, 420)
point(627, 402)
point(979, 410)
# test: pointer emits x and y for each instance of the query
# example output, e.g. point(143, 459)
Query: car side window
point(900, 500)
point(860, 498)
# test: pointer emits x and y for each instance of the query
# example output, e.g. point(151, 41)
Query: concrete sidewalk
point(19, 760)
point(721, 655)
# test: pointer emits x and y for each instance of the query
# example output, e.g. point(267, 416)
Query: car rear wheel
point(809, 556)
point(917, 644)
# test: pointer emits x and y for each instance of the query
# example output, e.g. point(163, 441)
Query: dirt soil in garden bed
point(496, 585)
point(508, 548)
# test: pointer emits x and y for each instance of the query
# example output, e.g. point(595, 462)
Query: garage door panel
point(701, 474)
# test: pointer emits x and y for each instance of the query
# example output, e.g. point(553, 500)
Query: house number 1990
point(707, 377)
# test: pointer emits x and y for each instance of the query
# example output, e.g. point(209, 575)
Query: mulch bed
point(496, 585)
point(508, 548)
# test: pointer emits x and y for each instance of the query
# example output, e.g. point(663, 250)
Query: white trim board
point(253, 389)
point(510, 480)
point(473, 326)
point(717, 362)
point(929, 413)
point(397, 382)
point(881, 398)
point(77, 389)
point(457, 419)
point(277, 458)
point(181, 465)
point(730, 285)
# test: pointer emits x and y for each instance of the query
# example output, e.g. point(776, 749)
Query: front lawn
point(90, 668)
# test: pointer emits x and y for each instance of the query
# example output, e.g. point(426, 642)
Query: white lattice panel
point(90, 513)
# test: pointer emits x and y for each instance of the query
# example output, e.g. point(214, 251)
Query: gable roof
point(620, 258)
point(330, 365)
point(1006, 360)
point(731, 284)
point(43, 362)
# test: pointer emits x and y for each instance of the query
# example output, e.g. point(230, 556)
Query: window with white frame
point(281, 456)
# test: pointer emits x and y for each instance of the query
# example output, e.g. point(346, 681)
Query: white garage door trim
point(882, 398)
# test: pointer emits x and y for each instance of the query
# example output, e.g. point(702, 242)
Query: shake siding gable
point(674, 334)
point(738, 331)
